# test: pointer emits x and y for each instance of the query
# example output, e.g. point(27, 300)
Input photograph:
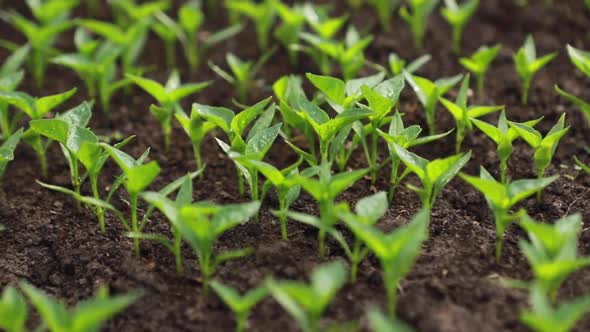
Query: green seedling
point(200, 224)
point(95, 63)
point(434, 175)
point(501, 197)
point(292, 24)
point(458, 15)
point(168, 97)
point(186, 31)
point(262, 13)
point(544, 146)
point(342, 95)
point(397, 65)
point(35, 109)
point(583, 166)
point(197, 128)
point(13, 311)
point(429, 93)
point(503, 135)
point(527, 65)
point(7, 149)
point(11, 75)
point(321, 23)
point(127, 12)
point(307, 302)
point(385, 10)
point(463, 114)
point(581, 59)
point(417, 18)
point(88, 315)
point(50, 20)
point(479, 63)
point(379, 322)
point(396, 251)
point(243, 73)
point(406, 138)
point(241, 305)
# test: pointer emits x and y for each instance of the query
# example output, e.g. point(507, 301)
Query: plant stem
point(134, 224)
point(457, 34)
point(198, 158)
point(526, 84)
point(241, 322)
point(177, 250)
point(390, 288)
point(240, 182)
point(480, 82)
point(355, 260)
point(394, 179)
point(283, 219)
point(99, 210)
point(43, 163)
point(374, 166)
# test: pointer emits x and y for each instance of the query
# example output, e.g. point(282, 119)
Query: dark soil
point(453, 286)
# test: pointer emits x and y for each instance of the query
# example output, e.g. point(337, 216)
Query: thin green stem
point(134, 223)
point(99, 210)
point(526, 84)
point(241, 319)
point(480, 82)
point(177, 251)
point(374, 146)
point(355, 260)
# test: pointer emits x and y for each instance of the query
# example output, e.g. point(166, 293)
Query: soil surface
point(452, 288)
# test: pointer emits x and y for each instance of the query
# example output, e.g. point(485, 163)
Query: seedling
point(241, 305)
point(200, 224)
point(36, 108)
point(127, 12)
point(306, 303)
point(384, 10)
point(50, 20)
point(324, 189)
point(581, 59)
point(429, 92)
point(88, 315)
point(527, 65)
point(186, 30)
point(463, 113)
point(501, 197)
point(503, 135)
point(321, 23)
point(381, 323)
point(197, 128)
point(417, 18)
point(168, 97)
point(434, 175)
point(262, 13)
point(406, 138)
point(397, 65)
point(13, 311)
point(7, 149)
point(243, 73)
point(544, 146)
point(458, 16)
point(95, 63)
point(479, 63)
point(11, 76)
point(396, 251)
point(292, 24)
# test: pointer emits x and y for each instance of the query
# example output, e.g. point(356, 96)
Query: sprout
point(262, 13)
point(381, 323)
point(503, 135)
point(36, 108)
point(396, 251)
point(168, 97)
point(127, 12)
point(11, 76)
point(463, 114)
point(306, 303)
point(7, 149)
point(292, 24)
point(406, 138)
point(581, 59)
point(13, 311)
point(527, 64)
point(241, 305)
point(51, 19)
point(458, 16)
point(243, 73)
point(417, 19)
point(397, 65)
point(501, 197)
point(384, 10)
point(196, 127)
point(429, 92)
point(434, 175)
point(200, 224)
point(479, 63)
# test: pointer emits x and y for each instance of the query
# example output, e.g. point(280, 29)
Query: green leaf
point(54, 129)
point(13, 310)
point(140, 177)
point(53, 313)
point(333, 88)
point(373, 207)
point(91, 314)
point(45, 104)
point(344, 180)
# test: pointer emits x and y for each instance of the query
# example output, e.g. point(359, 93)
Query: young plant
point(434, 175)
point(13, 311)
point(262, 13)
point(406, 138)
point(397, 65)
point(458, 16)
point(544, 146)
point(243, 73)
point(50, 20)
point(503, 135)
point(200, 224)
point(168, 97)
point(197, 128)
point(417, 18)
point(479, 63)
point(429, 92)
point(396, 251)
point(384, 10)
point(241, 305)
point(581, 59)
point(88, 315)
point(527, 65)
point(306, 303)
point(379, 322)
point(502, 196)
point(463, 114)
point(36, 108)
point(7, 149)
point(11, 75)
point(292, 24)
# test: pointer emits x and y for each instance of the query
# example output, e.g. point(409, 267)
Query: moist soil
point(454, 284)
